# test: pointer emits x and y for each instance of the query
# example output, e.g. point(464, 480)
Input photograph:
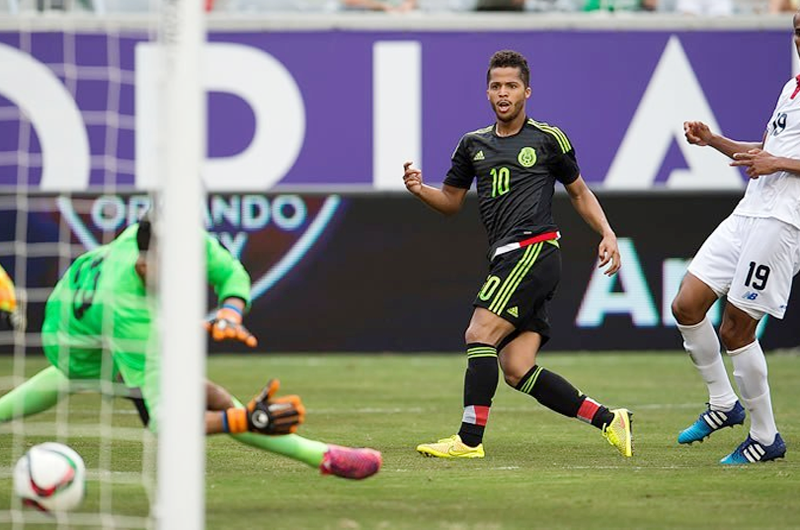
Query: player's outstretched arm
point(698, 133)
point(447, 201)
point(227, 323)
point(586, 204)
point(264, 414)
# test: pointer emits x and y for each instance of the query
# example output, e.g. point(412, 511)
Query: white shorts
point(752, 260)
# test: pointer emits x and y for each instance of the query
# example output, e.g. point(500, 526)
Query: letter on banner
point(263, 83)
point(674, 94)
point(55, 117)
point(635, 299)
point(397, 112)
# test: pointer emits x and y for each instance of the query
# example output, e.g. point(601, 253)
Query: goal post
point(181, 442)
point(70, 112)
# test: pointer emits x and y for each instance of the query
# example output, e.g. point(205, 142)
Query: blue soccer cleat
point(751, 451)
point(711, 421)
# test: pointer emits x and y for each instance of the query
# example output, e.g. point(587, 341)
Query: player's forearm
point(588, 207)
point(225, 273)
point(235, 302)
point(728, 147)
point(790, 165)
point(214, 422)
point(439, 200)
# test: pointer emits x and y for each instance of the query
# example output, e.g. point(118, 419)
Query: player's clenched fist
point(412, 178)
point(227, 324)
point(697, 132)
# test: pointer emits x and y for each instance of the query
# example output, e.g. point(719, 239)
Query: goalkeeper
point(98, 327)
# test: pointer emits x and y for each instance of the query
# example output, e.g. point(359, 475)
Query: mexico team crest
point(527, 156)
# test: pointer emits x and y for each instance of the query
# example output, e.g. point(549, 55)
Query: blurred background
point(314, 105)
point(694, 7)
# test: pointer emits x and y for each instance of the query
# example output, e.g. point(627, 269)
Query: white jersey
point(778, 195)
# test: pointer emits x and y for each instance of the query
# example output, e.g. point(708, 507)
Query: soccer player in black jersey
point(517, 162)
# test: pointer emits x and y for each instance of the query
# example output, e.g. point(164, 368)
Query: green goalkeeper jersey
point(98, 320)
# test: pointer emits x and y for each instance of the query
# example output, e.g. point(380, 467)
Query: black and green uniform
point(516, 178)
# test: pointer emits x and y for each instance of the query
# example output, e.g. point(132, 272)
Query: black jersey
point(516, 177)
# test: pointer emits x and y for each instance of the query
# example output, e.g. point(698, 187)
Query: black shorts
point(519, 285)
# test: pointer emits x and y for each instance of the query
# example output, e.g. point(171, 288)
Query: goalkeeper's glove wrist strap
point(234, 420)
point(232, 308)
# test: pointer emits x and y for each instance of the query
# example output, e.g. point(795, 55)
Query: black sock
point(556, 393)
point(480, 384)
point(602, 417)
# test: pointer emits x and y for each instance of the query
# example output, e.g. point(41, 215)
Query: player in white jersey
point(751, 257)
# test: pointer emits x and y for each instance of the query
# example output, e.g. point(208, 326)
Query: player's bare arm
point(447, 201)
point(586, 204)
point(698, 133)
point(758, 162)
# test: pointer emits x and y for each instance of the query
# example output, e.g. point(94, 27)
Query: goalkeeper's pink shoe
point(347, 462)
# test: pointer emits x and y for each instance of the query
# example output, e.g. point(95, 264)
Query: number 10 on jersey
point(501, 181)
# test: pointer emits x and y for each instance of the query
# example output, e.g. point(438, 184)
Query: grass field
point(541, 470)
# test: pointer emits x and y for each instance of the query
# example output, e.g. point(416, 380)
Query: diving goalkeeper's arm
point(231, 282)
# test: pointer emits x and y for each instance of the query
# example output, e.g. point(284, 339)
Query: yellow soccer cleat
point(8, 297)
point(619, 432)
point(451, 447)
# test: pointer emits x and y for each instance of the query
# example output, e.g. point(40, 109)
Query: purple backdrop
point(589, 83)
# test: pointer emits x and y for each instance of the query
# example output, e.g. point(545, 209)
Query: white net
point(41, 236)
point(68, 78)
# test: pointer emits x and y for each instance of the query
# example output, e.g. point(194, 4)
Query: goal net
point(79, 80)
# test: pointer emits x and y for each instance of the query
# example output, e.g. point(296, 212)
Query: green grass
point(541, 470)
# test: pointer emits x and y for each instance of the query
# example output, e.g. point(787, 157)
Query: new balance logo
point(750, 295)
point(479, 156)
point(514, 312)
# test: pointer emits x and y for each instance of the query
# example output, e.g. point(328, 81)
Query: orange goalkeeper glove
point(265, 415)
point(227, 324)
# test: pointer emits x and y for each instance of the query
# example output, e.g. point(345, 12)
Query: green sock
point(37, 394)
point(291, 445)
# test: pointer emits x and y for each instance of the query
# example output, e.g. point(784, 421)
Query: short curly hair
point(510, 59)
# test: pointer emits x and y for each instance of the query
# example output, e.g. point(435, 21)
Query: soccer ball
point(50, 477)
